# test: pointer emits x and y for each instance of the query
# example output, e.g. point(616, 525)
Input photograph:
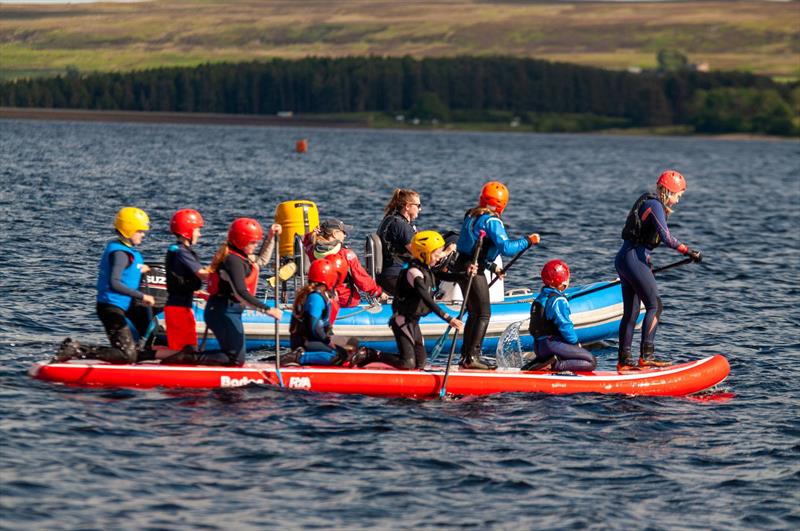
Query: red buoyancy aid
point(251, 281)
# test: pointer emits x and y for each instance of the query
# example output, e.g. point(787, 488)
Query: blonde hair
point(479, 211)
point(663, 195)
point(400, 197)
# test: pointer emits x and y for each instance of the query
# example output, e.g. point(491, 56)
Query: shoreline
point(351, 122)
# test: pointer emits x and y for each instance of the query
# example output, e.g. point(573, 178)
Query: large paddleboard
point(677, 380)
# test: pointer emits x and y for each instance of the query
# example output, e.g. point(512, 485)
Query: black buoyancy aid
point(635, 231)
point(392, 252)
point(407, 301)
point(300, 326)
point(178, 284)
point(251, 281)
point(540, 326)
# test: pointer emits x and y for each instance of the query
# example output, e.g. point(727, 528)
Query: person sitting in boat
point(121, 269)
point(483, 218)
point(554, 339)
point(232, 283)
point(645, 229)
point(413, 300)
point(395, 231)
point(185, 276)
point(311, 336)
point(328, 240)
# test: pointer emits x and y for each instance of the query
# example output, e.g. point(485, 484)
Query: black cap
point(331, 224)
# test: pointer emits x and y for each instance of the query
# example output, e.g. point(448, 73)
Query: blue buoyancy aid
point(131, 275)
point(495, 242)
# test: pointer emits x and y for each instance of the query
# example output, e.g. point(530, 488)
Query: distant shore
point(345, 121)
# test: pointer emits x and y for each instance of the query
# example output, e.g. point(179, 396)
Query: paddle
point(284, 273)
point(615, 282)
point(473, 264)
point(277, 307)
point(508, 265)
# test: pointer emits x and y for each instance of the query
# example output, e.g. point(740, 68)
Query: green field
point(36, 40)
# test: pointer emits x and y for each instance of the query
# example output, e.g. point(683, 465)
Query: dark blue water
point(268, 458)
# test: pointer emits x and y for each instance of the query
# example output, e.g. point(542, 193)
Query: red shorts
point(181, 325)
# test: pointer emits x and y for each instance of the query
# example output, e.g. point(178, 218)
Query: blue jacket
point(495, 243)
point(556, 310)
point(130, 276)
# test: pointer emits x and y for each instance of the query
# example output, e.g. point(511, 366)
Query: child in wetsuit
point(555, 342)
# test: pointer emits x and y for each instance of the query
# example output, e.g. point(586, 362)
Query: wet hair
point(400, 197)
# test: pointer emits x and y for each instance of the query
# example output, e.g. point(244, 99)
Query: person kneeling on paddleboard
point(121, 269)
point(311, 334)
point(185, 275)
point(554, 339)
point(413, 299)
point(232, 285)
point(645, 229)
point(483, 218)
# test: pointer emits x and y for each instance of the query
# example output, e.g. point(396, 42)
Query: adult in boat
point(311, 335)
point(185, 276)
point(328, 240)
point(554, 340)
point(121, 268)
point(645, 229)
point(232, 285)
point(396, 231)
point(414, 299)
point(483, 218)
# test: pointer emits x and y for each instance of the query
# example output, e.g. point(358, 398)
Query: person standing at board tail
point(555, 341)
point(396, 231)
point(185, 276)
point(232, 285)
point(413, 300)
point(485, 217)
point(121, 268)
point(645, 229)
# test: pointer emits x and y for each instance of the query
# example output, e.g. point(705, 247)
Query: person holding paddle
point(413, 300)
point(121, 268)
point(485, 217)
point(645, 229)
point(554, 339)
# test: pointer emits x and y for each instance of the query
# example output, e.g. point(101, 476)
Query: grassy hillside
point(760, 37)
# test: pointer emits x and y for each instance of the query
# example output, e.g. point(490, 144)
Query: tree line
point(450, 87)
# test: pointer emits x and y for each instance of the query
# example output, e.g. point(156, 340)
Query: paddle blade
point(284, 273)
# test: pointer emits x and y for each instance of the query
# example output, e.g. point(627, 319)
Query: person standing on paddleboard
point(645, 229)
point(185, 275)
point(121, 268)
point(232, 285)
point(413, 300)
point(554, 339)
point(483, 218)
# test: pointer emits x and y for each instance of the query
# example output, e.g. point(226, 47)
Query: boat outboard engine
point(154, 283)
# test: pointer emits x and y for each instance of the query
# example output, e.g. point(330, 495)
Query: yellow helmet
point(130, 220)
point(424, 243)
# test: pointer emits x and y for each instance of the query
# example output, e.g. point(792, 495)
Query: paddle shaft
point(474, 263)
point(508, 265)
point(277, 306)
point(615, 282)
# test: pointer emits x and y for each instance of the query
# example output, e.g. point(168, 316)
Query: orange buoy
point(302, 145)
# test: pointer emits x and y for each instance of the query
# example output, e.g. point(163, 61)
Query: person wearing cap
point(121, 268)
point(328, 241)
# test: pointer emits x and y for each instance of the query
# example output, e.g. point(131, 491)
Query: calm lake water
point(269, 458)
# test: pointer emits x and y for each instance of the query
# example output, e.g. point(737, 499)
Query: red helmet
point(340, 266)
point(555, 273)
point(494, 194)
point(322, 271)
point(184, 222)
point(672, 181)
point(244, 231)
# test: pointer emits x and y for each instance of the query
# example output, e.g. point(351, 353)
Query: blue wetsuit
point(496, 242)
point(554, 334)
point(311, 331)
point(645, 229)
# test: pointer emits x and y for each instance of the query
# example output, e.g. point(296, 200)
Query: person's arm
point(315, 306)
point(496, 232)
point(265, 255)
point(652, 209)
point(361, 278)
point(562, 318)
point(190, 262)
point(415, 278)
point(120, 260)
point(237, 272)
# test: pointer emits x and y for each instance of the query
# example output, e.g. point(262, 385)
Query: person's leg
point(571, 357)
point(630, 307)
point(480, 312)
point(225, 321)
